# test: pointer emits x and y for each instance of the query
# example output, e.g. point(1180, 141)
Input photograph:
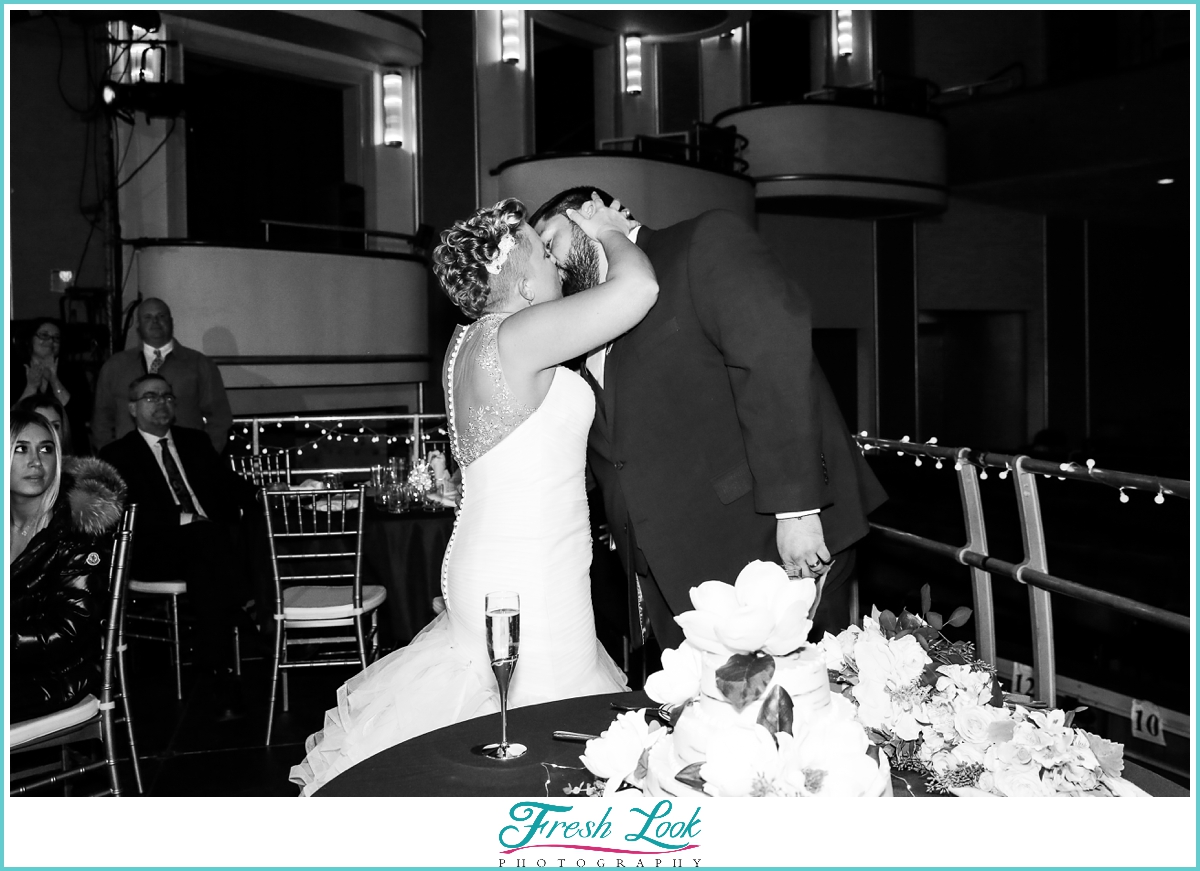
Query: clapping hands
point(41, 375)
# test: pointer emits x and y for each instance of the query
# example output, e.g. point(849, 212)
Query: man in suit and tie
point(200, 401)
point(190, 506)
point(717, 439)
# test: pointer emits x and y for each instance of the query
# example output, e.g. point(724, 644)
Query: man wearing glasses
point(200, 401)
point(190, 506)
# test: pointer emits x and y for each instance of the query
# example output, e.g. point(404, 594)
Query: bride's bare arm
point(544, 335)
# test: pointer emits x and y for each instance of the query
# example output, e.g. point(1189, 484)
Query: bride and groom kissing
point(706, 420)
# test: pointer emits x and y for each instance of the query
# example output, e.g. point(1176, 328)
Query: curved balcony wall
point(842, 161)
point(296, 330)
point(659, 192)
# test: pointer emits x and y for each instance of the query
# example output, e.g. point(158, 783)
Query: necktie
point(175, 479)
point(157, 362)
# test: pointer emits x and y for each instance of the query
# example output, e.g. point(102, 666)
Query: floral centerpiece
point(746, 707)
point(936, 709)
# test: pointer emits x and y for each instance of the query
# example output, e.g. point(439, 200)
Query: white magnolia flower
point(615, 754)
point(743, 760)
point(828, 756)
point(679, 680)
point(763, 610)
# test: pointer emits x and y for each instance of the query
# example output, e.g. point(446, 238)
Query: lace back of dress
point(482, 408)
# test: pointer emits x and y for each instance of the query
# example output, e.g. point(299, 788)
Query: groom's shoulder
point(714, 220)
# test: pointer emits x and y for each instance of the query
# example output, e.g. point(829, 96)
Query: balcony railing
point(419, 433)
point(1032, 570)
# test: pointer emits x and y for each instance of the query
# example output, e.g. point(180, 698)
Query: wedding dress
point(522, 526)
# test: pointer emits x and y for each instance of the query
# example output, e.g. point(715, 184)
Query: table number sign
point(1022, 679)
point(1146, 720)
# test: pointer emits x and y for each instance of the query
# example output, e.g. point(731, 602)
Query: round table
point(441, 763)
point(403, 553)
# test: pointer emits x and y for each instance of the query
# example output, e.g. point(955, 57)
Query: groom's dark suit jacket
point(715, 416)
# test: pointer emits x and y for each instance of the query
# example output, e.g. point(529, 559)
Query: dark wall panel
point(896, 330)
point(58, 159)
point(447, 154)
point(1066, 329)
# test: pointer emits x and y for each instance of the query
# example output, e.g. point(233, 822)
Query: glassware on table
point(332, 480)
point(502, 613)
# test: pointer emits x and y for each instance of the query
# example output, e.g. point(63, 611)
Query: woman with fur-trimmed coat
point(63, 513)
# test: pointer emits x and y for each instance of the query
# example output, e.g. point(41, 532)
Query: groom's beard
point(581, 269)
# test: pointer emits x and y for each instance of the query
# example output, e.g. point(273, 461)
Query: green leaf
point(643, 766)
point(691, 776)
point(997, 699)
point(776, 713)
point(926, 600)
point(887, 623)
point(934, 619)
point(1070, 715)
point(744, 678)
point(677, 712)
point(930, 674)
point(960, 616)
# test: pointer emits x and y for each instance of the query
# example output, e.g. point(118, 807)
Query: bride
point(518, 424)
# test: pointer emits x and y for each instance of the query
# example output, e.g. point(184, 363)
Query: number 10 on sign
point(1146, 720)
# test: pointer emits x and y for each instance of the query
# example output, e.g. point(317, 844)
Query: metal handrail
point(1033, 570)
point(268, 223)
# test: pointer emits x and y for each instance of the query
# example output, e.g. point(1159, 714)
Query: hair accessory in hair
point(506, 244)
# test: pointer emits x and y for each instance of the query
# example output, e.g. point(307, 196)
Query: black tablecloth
point(441, 763)
point(403, 553)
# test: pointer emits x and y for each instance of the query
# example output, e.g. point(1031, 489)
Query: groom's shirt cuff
point(791, 515)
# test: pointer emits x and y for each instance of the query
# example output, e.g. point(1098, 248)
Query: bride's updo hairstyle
point(480, 259)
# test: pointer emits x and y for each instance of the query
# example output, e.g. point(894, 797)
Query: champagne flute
point(502, 613)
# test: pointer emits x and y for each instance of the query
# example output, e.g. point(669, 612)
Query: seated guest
point(200, 401)
point(62, 514)
point(51, 409)
point(190, 504)
point(39, 370)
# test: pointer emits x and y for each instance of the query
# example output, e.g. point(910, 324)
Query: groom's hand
point(801, 544)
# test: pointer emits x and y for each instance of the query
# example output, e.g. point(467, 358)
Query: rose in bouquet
point(934, 708)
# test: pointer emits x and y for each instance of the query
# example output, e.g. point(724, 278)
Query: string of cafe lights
point(1159, 497)
point(335, 432)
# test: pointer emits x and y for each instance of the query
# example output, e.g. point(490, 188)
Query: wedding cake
point(748, 703)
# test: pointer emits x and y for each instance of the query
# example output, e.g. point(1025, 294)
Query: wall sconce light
point(845, 32)
point(510, 34)
point(633, 65)
point(393, 104)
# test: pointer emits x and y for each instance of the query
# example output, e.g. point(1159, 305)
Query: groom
point(717, 439)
